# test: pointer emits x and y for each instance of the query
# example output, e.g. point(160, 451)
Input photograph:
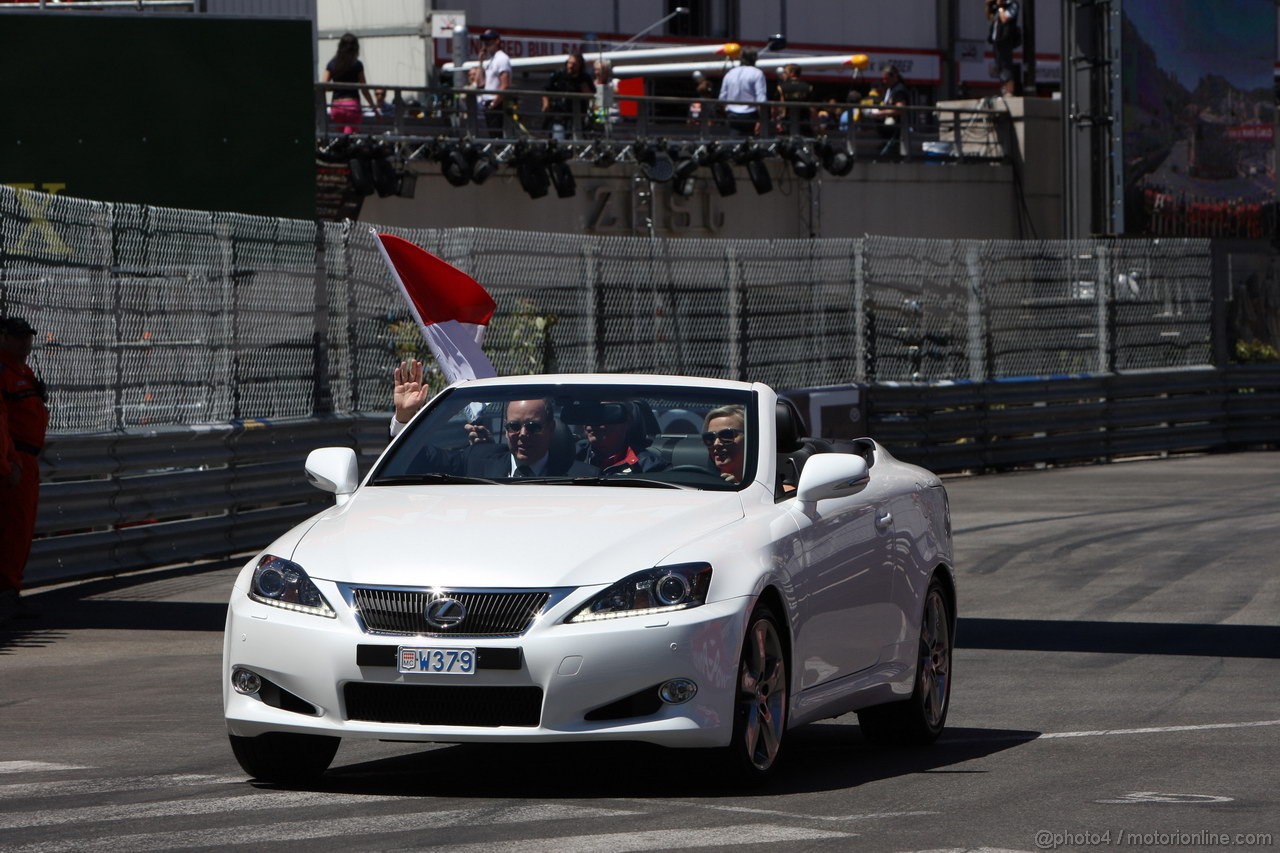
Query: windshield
point(623, 435)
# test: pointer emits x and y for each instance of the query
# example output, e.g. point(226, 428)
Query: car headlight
point(657, 590)
point(283, 583)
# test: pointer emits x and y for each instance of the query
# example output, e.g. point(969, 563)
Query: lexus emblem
point(445, 613)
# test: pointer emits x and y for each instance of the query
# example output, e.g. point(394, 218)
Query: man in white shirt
point(497, 78)
point(744, 82)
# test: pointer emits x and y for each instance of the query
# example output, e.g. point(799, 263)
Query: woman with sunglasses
point(724, 435)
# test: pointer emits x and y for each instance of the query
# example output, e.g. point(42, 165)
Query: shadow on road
point(1131, 638)
point(115, 603)
point(820, 757)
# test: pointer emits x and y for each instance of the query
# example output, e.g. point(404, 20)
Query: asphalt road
point(1117, 685)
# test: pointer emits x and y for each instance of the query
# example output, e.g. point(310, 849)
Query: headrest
point(789, 426)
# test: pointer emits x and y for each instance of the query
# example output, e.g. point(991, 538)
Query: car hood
point(508, 536)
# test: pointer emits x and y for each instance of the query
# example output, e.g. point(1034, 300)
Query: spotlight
point(408, 183)
point(456, 164)
point(684, 167)
point(562, 178)
point(722, 174)
point(654, 162)
point(836, 159)
point(386, 180)
point(802, 160)
point(531, 169)
point(752, 156)
point(485, 165)
point(658, 169)
point(362, 175)
point(717, 160)
point(759, 174)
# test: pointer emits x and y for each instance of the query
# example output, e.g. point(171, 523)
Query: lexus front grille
point(487, 614)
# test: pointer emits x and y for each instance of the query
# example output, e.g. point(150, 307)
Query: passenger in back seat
point(618, 448)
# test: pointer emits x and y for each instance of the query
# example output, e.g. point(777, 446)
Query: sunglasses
point(532, 427)
point(726, 435)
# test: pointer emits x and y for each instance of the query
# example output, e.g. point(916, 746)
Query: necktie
point(524, 471)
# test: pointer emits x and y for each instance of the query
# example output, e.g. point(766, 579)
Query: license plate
point(437, 661)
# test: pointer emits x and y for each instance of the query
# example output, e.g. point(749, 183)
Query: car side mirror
point(333, 469)
point(831, 475)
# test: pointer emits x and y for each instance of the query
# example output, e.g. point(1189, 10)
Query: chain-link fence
point(151, 316)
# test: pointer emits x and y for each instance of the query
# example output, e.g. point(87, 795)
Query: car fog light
point(677, 690)
point(246, 682)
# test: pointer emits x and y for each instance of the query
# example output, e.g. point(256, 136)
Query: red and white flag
point(451, 307)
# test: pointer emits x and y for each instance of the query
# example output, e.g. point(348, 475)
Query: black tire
point(284, 758)
point(919, 720)
point(760, 709)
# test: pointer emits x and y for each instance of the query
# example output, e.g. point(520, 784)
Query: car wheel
point(760, 710)
point(920, 719)
point(284, 758)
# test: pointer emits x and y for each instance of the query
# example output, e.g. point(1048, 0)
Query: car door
point(844, 591)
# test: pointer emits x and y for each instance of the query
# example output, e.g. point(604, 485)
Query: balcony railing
point(605, 128)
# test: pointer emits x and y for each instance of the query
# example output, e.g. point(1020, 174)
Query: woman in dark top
point(346, 67)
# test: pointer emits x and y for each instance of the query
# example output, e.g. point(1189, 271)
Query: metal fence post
point(862, 340)
point(321, 392)
point(977, 332)
point(736, 316)
point(1104, 294)
point(227, 260)
point(596, 316)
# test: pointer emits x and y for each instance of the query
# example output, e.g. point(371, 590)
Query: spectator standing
point(605, 110)
point(795, 121)
point(703, 95)
point(1005, 35)
point(559, 113)
point(889, 113)
point(744, 82)
point(25, 417)
point(346, 67)
point(497, 79)
point(382, 109)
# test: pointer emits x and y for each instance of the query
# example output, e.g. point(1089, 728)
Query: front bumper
point(337, 672)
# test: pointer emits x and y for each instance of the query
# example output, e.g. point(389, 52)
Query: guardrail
point(120, 502)
point(124, 501)
point(992, 426)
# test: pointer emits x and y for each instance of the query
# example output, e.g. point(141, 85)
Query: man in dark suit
point(530, 450)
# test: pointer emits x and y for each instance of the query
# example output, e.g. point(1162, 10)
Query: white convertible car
point(597, 557)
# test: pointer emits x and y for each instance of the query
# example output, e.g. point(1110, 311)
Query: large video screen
point(1199, 109)
point(183, 110)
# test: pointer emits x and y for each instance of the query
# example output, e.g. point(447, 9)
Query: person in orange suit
point(26, 418)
